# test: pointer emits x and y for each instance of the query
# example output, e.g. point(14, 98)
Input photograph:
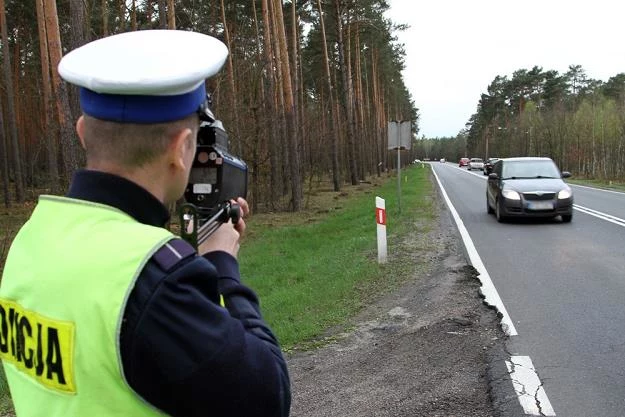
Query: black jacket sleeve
point(188, 356)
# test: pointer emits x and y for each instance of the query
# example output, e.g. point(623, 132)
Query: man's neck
point(146, 176)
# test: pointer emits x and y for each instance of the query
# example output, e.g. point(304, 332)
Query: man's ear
point(180, 147)
point(80, 129)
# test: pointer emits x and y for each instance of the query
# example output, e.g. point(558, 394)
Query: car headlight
point(511, 195)
point(564, 194)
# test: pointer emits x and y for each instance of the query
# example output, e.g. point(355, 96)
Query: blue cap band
point(140, 108)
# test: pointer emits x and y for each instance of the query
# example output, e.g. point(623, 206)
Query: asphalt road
point(563, 286)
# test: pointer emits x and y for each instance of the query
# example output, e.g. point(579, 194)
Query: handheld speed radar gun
point(216, 178)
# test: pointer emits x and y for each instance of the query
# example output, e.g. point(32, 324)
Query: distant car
point(528, 187)
point(443, 160)
point(476, 163)
point(488, 165)
point(463, 162)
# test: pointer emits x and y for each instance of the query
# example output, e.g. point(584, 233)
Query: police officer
point(103, 311)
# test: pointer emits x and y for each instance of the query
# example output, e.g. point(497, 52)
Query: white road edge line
point(525, 380)
point(528, 387)
point(600, 215)
point(491, 296)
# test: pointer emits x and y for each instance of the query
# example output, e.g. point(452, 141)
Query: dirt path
point(422, 351)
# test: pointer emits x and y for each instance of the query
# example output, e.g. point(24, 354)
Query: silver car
point(476, 163)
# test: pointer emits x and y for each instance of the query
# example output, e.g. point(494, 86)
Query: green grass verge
point(310, 277)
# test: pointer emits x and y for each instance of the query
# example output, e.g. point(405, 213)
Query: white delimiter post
point(380, 219)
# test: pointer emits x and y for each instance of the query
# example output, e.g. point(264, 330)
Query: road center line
point(600, 215)
point(491, 296)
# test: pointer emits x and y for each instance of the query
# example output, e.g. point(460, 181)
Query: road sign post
point(398, 176)
point(399, 137)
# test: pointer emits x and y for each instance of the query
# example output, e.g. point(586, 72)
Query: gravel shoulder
point(426, 349)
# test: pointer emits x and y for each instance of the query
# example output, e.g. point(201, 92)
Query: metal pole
point(399, 165)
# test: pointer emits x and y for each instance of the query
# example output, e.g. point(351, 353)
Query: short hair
point(131, 145)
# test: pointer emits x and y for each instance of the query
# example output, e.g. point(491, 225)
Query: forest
point(306, 94)
point(577, 121)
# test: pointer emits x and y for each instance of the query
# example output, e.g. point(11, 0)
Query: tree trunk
point(10, 97)
point(232, 93)
point(346, 96)
point(292, 141)
point(357, 100)
point(50, 133)
point(304, 134)
point(105, 18)
point(377, 113)
point(18, 97)
point(149, 11)
point(162, 14)
point(77, 28)
point(282, 163)
point(68, 142)
point(298, 104)
point(171, 15)
point(133, 16)
point(121, 11)
point(77, 39)
point(333, 125)
point(270, 104)
point(283, 125)
point(294, 64)
point(260, 132)
point(367, 125)
point(4, 157)
point(255, 162)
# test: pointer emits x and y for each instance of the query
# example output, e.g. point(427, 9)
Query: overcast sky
point(455, 48)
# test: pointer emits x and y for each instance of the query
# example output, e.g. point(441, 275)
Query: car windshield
point(529, 169)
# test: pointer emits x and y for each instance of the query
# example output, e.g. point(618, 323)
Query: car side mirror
point(566, 174)
point(493, 176)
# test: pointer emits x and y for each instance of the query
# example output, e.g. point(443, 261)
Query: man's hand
point(228, 236)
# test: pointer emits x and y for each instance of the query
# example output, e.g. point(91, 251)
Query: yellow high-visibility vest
point(65, 284)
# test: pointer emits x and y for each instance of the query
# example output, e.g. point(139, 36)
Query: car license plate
point(540, 205)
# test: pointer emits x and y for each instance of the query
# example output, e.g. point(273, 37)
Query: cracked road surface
point(528, 387)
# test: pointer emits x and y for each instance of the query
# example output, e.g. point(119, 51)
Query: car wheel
point(489, 209)
point(566, 218)
point(498, 212)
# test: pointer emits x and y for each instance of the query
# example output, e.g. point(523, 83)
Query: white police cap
point(149, 76)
